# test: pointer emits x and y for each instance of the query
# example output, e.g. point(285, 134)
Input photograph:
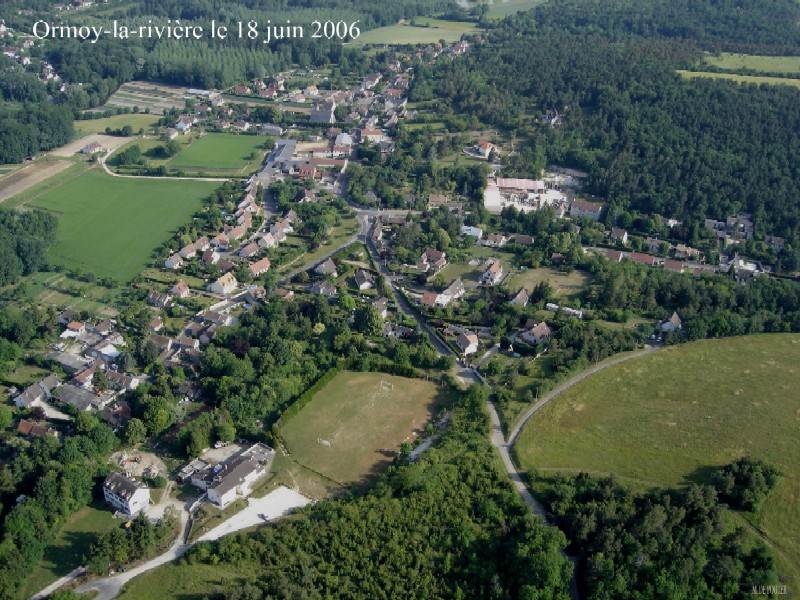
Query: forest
point(665, 543)
point(24, 240)
point(447, 526)
point(650, 140)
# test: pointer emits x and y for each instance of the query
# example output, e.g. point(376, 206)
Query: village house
point(27, 428)
point(91, 148)
point(159, 300)
point(469, 231)
point(432, 259)
point(224, 285)
point(326, 267)
point(259, 267)
point(583, 208)
point(267, 241)
point(536, 333)
point(363, 279)
point(493, 274)
point(467, 343)
point(174, 262)
point(124, 494)
point(642, 259)
point(674, 323)
point(381, 305)
point(156, 325)
point(618, 236)
point(484, 148)
point(180, 290)
point(429, 299)
point(324, 288)
point(249, 250)
point(495, 240)
point(520, 299)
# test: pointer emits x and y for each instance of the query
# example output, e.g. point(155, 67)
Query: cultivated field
point(19, 181)
point(766, 64)
point(156, 97)
point(110, 226)
point(670, 418)
point(136, 121)
point(353, 428)
point(740, 78)
point(219, 152)
point(450, 31)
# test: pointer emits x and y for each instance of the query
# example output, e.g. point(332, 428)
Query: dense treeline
point(709, 306)
point(650, 140)
point(448, 526)
point(737, 25)
point(57, 479)
point(131, 542)
point(24, 240)
point(669, 543)
point(32, 128)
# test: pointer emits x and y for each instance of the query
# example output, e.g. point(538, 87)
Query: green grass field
point(450, 31)
point(502, 8)
point(740, 78)
point(766, 64)
point(136, 121)
point(219, 151)
point(66, 552)
point(364, 423)
point(671, 417)
point(110, 226)
point(564, 284)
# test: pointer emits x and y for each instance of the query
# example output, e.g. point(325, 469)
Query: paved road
point(272, 506)
point(102, 162)
point(57, 584)
point(568, 384)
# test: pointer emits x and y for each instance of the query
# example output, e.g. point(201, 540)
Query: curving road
point(512, 437)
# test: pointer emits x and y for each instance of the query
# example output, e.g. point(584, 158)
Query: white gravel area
point(275, 504)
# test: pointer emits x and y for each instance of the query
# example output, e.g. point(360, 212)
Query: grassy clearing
point(110, 226)
point(500, 9)
point(194, 581)
point(61, 291)
point(565, 284)
point(338, 236)
point(220, 151)
point(741, 78)
point(766, 64)
point(136, 121)
point(364, 422)
point(670, 418)
point(66, 552)
point(450, 31)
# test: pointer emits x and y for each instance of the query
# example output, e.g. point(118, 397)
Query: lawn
point(450, 31)
point(111, 226)
point(136, 121)
point(353, 428)
point(741, 78)
point(766, 64)
point(671, 417)
point(564, 284)
point(192, 580)
point(66, 551)
point(338, 236)
point(500, 9)
point(216, 152)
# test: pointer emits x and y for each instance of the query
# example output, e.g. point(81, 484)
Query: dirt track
point(29, 176)
point(108, 142)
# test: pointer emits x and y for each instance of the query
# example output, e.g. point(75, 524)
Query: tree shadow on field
point(702, 475)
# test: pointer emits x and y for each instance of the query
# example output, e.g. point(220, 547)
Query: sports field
point(449, 31)
point(767, 64)
point(110, 226)
point(740, 78)
point(352, 429)
point(219, 152)
point(671, 417)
